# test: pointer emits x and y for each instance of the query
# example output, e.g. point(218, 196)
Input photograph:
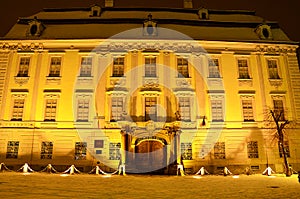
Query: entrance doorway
point(150, 156)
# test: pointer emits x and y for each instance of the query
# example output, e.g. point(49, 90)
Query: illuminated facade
point(148, 87)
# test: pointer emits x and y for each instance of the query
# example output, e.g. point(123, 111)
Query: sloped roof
point(77, 23)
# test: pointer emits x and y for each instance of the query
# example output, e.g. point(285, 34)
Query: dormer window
point(95, 11)
point(203, 13)
point(35, 28)
point(150, 27)
point(264, 31)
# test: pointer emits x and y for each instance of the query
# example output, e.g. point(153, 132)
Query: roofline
point(207, 23)
point(182, 10)
point(294, 43)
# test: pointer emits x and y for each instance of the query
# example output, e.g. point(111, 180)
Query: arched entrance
point(150, 156)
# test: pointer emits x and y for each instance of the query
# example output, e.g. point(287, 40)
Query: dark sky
point(286, 13)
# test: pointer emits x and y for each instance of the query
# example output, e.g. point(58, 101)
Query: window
point(98, 143)
point(252, 148)
point(117, 108)
point(55, 67)
point(286, 147)
point(80, 150)
point(24, 67)
point(17, 113)
point(213, 68)
point(184, 108)
point(150, 67)
point(243, 69)
point(50, 109)
point(182, 68)
point(278, 109)
point(86, 67)
point(46, 150)
point(12, 149)
point(150, 108)
point(273, 69)
point(83, 109)
point(114, 151)
point(219, 150)
point(118, 67)
point(186, 151)
point(247, 110)
point(217, 110)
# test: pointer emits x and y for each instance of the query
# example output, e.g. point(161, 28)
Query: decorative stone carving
point(21, 80)
point(183, 82)
point(117, 81)
point(22, 46)
point(275, 82)
point(150, 82)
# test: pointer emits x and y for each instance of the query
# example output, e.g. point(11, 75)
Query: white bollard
point(72, 169)
point(97, 170)
point(25, 168)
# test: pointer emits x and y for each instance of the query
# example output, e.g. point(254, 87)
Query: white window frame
point(53, 114)
point(86, 66)
point(55, 66)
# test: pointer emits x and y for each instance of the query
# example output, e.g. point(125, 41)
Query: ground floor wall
point(235, 149)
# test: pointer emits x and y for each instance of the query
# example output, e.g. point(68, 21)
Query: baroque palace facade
point(147, 87)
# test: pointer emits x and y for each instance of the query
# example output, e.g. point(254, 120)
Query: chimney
point(109, 3)
point(187, 3)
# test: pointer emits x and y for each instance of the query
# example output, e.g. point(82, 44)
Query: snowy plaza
point(40, 185)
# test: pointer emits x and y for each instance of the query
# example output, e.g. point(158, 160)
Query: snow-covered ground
point(40, 185)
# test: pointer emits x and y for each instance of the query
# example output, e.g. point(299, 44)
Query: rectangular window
point(80, 150)
point(252, 148)
point(182, 67)
point(50, 109)
point(117, 108)
point(184, 108)
point(247, 110)
point(83, 109)
point(243, 69)
point(17, 113)
point(219, 150)
point(86, 67)
point(12, 149)
point(186, 151)
point(114, 151)
point(150, 67)
point(286, 147)
point(278, 109)
point(217, 110)
point(150, 108)
point(24, 67)
point(98, 143)
point(55, 66)
point(213, 68)
point(118, 67)
point(273, 69)
point(47, 150)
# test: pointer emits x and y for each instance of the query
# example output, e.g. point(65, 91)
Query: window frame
point(86, 66)
point(55, 66)
point(23, 69)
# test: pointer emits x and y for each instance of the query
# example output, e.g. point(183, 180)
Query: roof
point(78, 23)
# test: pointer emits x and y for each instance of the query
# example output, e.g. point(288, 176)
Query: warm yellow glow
point(106, 176)
point(236, 176)
point(197, 177)
point(64, 175)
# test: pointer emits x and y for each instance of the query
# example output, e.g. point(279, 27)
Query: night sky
point(286, 13)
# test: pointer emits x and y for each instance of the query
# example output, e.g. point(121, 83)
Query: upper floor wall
point(71, 81)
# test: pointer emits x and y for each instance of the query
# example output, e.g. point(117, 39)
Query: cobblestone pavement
point(39, 185)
